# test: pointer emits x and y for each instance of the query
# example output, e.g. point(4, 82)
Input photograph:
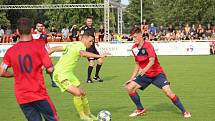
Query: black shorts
point(159, 81)
point(33, 110)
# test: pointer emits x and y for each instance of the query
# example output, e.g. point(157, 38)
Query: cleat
point(98, 79)
point(93, 117)
point(137, 112)
point(89, 81)
point(54, 84)
point(85, 118)
point(186, 114)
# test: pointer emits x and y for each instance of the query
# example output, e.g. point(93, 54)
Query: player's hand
point(141, 72)
point(127, 82)
point(83, 93)
point(105, 55)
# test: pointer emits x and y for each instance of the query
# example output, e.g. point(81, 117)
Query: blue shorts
point(34, 110)
point(159, 81)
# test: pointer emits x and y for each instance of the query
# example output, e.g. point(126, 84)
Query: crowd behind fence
point(150, 32)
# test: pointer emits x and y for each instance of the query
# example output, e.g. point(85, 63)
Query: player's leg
point(79, 104)
point(86, 106)
point(47, 109)
point(71, 85)
point(161, 82)
point(30, 112)
point(51, 74)
point(132, 87)
point(90, 69)
point(98, 67)
point(213, 48)
point(175, 99)
point(82, 106)
point(80, 100)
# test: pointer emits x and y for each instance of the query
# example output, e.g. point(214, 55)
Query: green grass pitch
point(192, 79)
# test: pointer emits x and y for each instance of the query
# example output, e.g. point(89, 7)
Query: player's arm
point(92, 55)
point(4, 71)
point(134, 73)
point(56, 49)
point(148, 66)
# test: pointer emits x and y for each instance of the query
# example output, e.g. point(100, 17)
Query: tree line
point(175, 12)
point(58, 18)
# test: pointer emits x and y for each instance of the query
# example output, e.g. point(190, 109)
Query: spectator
point(65, 33)
point(171, 29)
point(144, 26)
point(178, 35)
point(152, 31)
point(74, 30)
point(53, 31)
point(214, 29)
point(1, 34)
point(200, 31)
point(101, 34)
point(8, 32)
point(187, 29)
point(209, 30)
point(161, 33)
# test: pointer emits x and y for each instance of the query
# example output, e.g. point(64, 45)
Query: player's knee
point(169, 93)
point(74, 91)
point(129, 88)
point(100, 61)
point(83, 93)
point(91, 63)
point(77, 93)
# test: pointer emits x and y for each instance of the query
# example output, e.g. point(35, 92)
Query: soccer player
point(64, 72)
point(40, 35)
point(26, 62)
point(148, 71)
point(90, 29)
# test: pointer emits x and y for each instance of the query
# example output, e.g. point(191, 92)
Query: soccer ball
point(104, 116)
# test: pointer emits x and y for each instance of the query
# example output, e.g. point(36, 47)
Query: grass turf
point(192, 79)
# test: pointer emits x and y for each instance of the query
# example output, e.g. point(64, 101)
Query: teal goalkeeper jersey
point(70, 57)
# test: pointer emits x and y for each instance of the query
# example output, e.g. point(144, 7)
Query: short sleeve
point(6, 59)
point(151, 51)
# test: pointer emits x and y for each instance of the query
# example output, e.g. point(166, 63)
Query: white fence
point(124, 49)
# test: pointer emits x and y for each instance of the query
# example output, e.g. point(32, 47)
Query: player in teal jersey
point(64, 73)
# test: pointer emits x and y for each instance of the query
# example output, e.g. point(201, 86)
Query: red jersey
point(142, 56)
point(38, 36)
point(26, 59)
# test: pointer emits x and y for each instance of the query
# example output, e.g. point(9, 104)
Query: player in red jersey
point(40, 35)
point(26, 59)
point(148, 71)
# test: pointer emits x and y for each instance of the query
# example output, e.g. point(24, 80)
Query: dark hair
point(39, 23)
point(24, 25)
point(87, 34)
point(89, 17)
point(135, 30)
